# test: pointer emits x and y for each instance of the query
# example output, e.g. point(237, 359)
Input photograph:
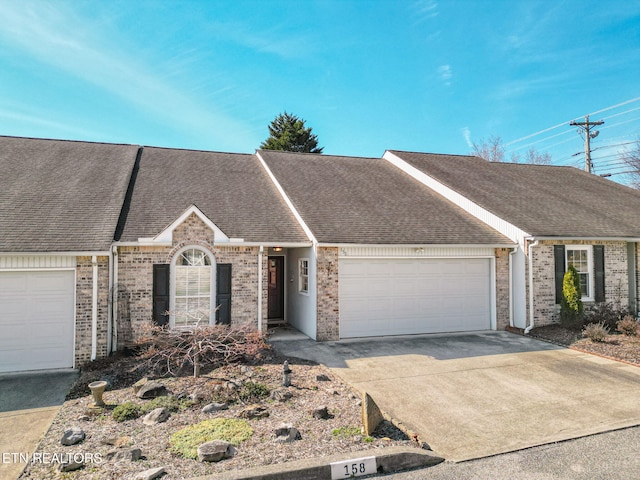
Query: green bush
point(628, 326)
point(126, 411)
point(596, 332)
point(253, 392)
point(171, 403)
point(185, 442)
point(571, 308)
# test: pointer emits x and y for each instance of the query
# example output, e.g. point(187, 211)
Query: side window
point(303, 275)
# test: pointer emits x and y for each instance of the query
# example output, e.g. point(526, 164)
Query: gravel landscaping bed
point(615, 346)
point(313, 386)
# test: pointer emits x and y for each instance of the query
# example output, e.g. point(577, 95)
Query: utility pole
point(586, 128)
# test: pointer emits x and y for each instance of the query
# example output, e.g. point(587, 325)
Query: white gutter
point(511, 304)
point(260, 254)
point(531, 309)
point(114, 310)
point(110, 303)
point(94, 310)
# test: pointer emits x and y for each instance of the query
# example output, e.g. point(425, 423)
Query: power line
point(586, 127)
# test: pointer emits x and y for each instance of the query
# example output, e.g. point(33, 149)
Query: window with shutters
point(192, 288)
point(581, 257)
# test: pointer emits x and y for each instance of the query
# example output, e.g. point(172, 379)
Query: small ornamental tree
point(571, 308)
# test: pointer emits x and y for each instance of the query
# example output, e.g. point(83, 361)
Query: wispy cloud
point(425, 9)
point(466, 133)
point(445, 73)
point(57, 36)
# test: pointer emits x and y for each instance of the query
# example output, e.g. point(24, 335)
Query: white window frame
point(303, 276)
point(173, 280)
point(590, 297)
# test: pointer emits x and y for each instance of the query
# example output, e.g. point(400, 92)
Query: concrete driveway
point(475, 395)
point(28, 404)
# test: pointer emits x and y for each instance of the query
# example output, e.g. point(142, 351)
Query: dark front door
point(275, 303)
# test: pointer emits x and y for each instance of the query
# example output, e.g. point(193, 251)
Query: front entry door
point(275, 303)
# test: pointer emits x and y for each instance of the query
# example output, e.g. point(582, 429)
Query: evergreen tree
point(571, 307)
point(288, 132)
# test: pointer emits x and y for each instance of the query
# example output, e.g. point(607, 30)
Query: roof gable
point(231, 190)
point(368, 201)
point(541, 200)
point(166, 235)
point(61, 196)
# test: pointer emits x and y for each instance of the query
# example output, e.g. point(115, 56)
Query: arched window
point(193, 287)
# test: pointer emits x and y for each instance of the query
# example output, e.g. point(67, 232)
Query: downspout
point(531, 309)
point(110, 303)
point(114, 310)
point(260, 253)
point(511, 303)
point(94, 310)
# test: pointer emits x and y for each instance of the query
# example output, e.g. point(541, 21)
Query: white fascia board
point(508, 229)
point(419, 245)
point(595, 239)
point(98, 253)
point(166, 235)
point(287, 200)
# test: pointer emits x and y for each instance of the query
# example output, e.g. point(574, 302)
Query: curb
point(387, 460)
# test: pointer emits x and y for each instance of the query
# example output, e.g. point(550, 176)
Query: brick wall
point(328, 314)
point(502, 288)
point(84, 307)
point(616, 280)
point(135, 278)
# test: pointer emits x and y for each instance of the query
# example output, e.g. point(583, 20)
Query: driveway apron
point(474, 395)
point(28, 404)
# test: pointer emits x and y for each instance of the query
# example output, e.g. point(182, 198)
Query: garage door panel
point(37, 320)
point(407, 296)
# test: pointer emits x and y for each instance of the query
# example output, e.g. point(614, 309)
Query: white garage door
point(408, 296)
point(36, 320)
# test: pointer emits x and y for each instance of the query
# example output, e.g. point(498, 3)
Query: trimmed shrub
point(185, 442)
point(605, 313)
point(628, 326)
point(253, 392)
point(126, 411)
point(596, 332)
point(571, 308)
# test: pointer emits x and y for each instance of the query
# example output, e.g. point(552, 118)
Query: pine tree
point(288, 132)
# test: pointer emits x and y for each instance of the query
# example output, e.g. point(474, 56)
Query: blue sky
point(367, 76)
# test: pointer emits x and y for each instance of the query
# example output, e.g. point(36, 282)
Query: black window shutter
point(598, 264)
point(160, 294)
point(223, 293)
point(558, 253)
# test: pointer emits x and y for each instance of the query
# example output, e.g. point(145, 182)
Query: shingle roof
point(61, 196)
point(231, 189)
point(369, 201)
point(541, 200)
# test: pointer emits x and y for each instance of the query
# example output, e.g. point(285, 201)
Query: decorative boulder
point(321, 413)
point(152, 390)
point(139, 384)
point(322, 378)
point(254, 411)
point(131, 454)
point(214, 407)
point(70, 466)
point(287, 433)
point(72, 436)
point(281, 394)
point(150, 474)
point(158, 415)
point(215, 451)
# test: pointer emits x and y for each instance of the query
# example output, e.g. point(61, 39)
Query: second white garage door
point(36, 320)
point(410, 296)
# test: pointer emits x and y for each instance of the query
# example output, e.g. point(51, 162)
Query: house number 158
point(356, 467)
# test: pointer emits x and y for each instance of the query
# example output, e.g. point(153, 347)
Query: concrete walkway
point(28, 404)
point(471, 396)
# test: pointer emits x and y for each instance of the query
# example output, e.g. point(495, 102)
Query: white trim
point(260, 268)
point(98, 253)
point(94, 309)
point(232, 243)
point(590, 297)
point(422, 251)
point(287, 200)
point(300, 276)
point(37, 262)
point(166, 235)
point(504, 227)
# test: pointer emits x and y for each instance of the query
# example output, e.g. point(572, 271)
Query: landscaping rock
point(254, 411)
point(131, 454)
point(198, 395)
point(214, 407)
point(117, 442)
point(158, 415)
point(70, 466)
point(287, 433)
point(72, 436)
point(321, 413)
point(152, 390)
point(281, 394)
point(215, 451)
point(322, 378)
point(139, 384)
point(150, 474)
